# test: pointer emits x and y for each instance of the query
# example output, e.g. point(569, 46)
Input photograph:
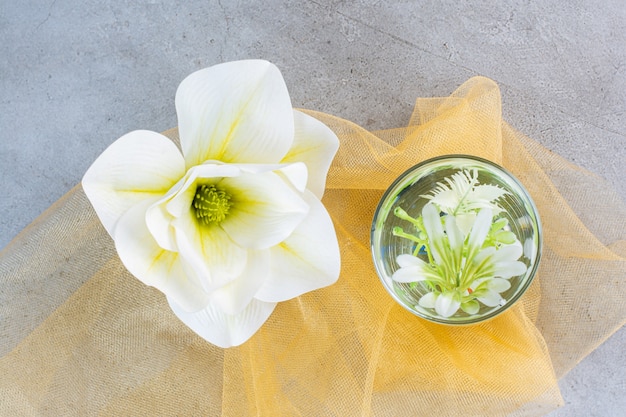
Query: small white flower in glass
point(464, 253)
point(234, 224)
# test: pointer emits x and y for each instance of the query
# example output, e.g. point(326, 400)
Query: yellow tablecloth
point(81, 336)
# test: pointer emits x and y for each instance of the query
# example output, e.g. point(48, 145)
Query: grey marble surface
point(76, 75)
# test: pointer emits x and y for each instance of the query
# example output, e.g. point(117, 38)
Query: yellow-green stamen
point(211, 204)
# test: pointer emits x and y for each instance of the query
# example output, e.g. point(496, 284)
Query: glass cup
point(408, 193)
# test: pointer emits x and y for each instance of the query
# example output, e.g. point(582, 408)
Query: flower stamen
point(211, 204)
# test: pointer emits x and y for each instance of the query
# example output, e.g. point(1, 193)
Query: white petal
point(470, 307)
point(154, 265)
point(486, 193)
point(295, 173)
point(509, 269)
point(307, 260)
point(428, 300)
point(413, 269)
point(499, 285)
point(406, 259)
point(455, 236)
point(137, 166)
point(265, 210)
point(225, 330)
point(216, 169)
point(408, 274)
point(481, 227)
point(488, 252)
point(508, 253)
point(315, 145)
point(235, 112)
point(159, 218)
point(456, 241)
point(477, 282)
point(530, 249)
point(446, 199)
point(434, 229)
point(465, 221)
point(233, 297)
point(490, 298)
point(216, 259)
point(447, 303)
point(158, 221)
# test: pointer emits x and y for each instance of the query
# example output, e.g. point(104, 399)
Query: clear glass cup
point(407, 192)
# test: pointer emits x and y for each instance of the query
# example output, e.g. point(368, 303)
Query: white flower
point(234, 224)
point(460, 270)
point(463, 196)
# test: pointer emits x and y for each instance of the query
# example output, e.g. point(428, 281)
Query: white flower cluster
point(464, 252)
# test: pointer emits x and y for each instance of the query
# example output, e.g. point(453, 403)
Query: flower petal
point(509, 269)
point(225, 330)
point(499, 285)
point(235, 112)
point(409, 274)
point(470, 307)
point(215, 258)
point(434, 229)
point(447, 303)
point(465, 221)
point(485, 253)
point(487, 193)
point(508, 253)
point(479, 231)
point(140, 165)
point(307, 260)
point(233, 297)
point(315, 145)
point(445, 198)
point(530, 249)
point(160, 215)
point(490, 298)
point(265, 210)
point(158, 221)
point(476, 284)
point(406, 259)
point(428, 300)
point(456, 241)
point(154, 265)
point(455, 236)
point(295, 173)
point(413, 269)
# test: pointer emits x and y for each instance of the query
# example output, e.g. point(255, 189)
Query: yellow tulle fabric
point(81, 336)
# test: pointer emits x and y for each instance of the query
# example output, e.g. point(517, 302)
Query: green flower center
point(211, 204)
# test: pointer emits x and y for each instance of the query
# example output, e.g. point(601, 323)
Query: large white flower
point(234, 224)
